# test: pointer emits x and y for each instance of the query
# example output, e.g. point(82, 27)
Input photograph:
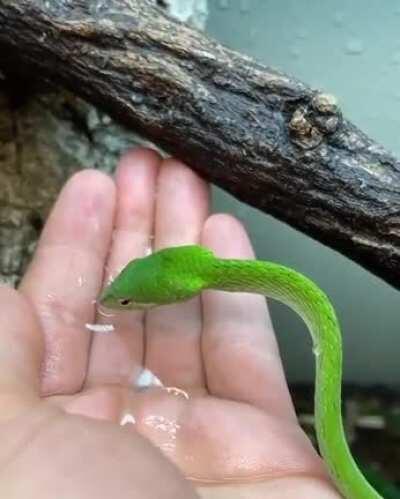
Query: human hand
point(236, 434)
point(68, 446)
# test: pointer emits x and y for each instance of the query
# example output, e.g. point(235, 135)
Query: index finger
point(66, 273)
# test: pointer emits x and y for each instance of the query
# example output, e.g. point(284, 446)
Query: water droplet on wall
point(223, 4)
point(294, 52)
point(253, 33)
point(395, 59)
point(354, 47)
point(244, 6)
point(301, 34)
point(338, 19)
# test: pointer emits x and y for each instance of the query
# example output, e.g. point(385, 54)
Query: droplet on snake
point(316, 351)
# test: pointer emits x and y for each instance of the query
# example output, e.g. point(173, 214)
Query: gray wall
point(350, 49)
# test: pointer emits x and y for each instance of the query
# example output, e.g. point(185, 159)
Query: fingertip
point(176, 169)
point(136, 178)
point(83, 213)
point(138, 156)
point(225, 221)
point(91, 178)
point(182, 205)
point(227, 236)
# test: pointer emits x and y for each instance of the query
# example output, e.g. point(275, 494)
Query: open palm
point(224, 414)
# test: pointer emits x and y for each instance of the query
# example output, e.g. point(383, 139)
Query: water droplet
point(354, 47)
point(162, 423)
point(294, 52)
point(301, 34)
point(316, 351)
point(147, 379)
point(253, 33)
point(173, 390)
point(93, 118)
point(137, 98)
point(100, 328)
point(338, 19)
point(244, 6)
point(223, 4)
point(395, 59)
point(127, 419)
point(81, 281)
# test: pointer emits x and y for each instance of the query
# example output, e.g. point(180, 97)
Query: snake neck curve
point(304, 297)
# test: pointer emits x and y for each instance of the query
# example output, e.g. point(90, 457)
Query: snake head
point(167, 276)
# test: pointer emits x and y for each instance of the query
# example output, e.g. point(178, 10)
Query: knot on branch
point(310, 123)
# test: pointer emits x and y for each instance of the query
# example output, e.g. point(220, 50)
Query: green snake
point(178, 273)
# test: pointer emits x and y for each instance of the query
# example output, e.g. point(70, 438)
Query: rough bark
point(44, 138)
point(263, 136)
point(46, 134)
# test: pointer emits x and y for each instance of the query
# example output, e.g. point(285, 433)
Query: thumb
point(21, 350)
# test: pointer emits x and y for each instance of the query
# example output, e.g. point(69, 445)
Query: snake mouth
point(107, 299)
point(105, 296)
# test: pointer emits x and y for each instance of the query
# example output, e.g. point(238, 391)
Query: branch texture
point(263, 136)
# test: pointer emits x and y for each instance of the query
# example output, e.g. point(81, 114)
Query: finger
point(21, 350)
point(66, 273)
point(117, 357)
point(173, 332)
point(240, 351)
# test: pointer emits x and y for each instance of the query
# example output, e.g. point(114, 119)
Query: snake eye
point(125, 302)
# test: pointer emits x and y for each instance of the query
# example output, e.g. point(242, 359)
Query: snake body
point(179, 273)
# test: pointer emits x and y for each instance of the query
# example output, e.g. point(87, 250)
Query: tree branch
point(263, 136)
